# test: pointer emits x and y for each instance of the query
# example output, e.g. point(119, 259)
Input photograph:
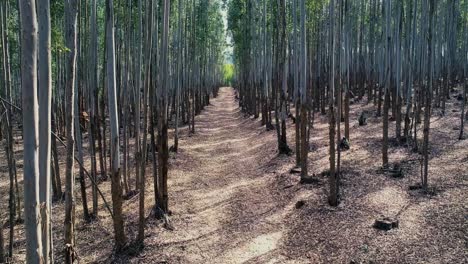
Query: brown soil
point(233, 199)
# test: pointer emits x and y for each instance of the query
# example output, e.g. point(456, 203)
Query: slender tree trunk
point(45, 99)
point(179, 77)
point(58, 179)
point(428, 98)
point(333, 179)
point(388, 71)
point(303, 93)
point(94, 123)
point(29, 51)
point(138, 96)
point(146, 96)
point(79, 147)
point(71, 41)
point(163, 152)
point(119, 232)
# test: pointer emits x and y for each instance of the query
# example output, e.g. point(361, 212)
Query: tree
point(119, 232)
point(333, 178)
point(45, 103)
point(146, 96)
point(92, 95)
point(179, 75)
point(71, 14)
point(29, 51)
point(303, 95)
point(163, 153)
point(428, 97)
point(387, 83)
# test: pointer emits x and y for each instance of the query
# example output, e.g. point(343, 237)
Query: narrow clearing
point(223, 208)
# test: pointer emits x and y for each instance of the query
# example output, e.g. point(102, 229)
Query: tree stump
point(344, 144)
point(299, 204)
point(295, 170)
point(396, 172)
point(362, 119)
point(385, 223)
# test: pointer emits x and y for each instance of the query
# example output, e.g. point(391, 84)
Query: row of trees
point(100, 78)
point(404, 56)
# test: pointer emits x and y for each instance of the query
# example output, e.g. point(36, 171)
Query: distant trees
point(378, 49)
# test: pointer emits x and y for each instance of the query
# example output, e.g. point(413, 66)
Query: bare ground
point(233, 199)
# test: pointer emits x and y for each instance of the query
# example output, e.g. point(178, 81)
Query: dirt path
point(223, 209)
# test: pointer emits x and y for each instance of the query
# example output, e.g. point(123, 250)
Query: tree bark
point(71, 14)
point(45, 99)
point(119, 232)
point(29, 50)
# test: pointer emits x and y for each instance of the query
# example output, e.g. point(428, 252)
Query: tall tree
point(29, 51)
point(303, 93)
point(119, 232)
point(333, 178)
point(71, 14)
point(428, 96)
point(45, 103)
point(163, 153)
point(93, 98)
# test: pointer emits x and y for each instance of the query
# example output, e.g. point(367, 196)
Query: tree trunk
point(29, 50)
point(428, 98)
point(45, 98)
point(71, 39)
point(93, 98)
point(333, 179)
point(163, 152)
point(119, 232)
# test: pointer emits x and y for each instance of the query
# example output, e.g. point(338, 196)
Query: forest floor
point(233, 199)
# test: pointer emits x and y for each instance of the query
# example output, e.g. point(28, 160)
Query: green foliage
point(228, 73)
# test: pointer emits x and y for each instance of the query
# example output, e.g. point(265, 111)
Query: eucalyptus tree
point(303, 92)
point(428, 96)
point(137, 92)
point(92, 100)
point(45, 102)
point(163, 151)
point(146, 100)
point(387, 81)
point(71, 13)
point(179, 73)
point(29, 52)
point(333, 177)
point(464, 65)
point(119, 232)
